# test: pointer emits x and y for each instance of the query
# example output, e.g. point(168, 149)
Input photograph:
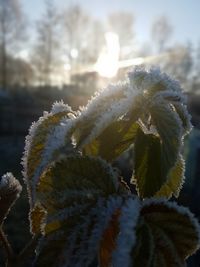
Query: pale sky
point(183, 14)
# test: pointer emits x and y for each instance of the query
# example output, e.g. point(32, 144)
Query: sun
point(108, 61)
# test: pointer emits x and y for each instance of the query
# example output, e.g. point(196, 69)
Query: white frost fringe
point(127, 236)
point(180, 209)
point(54, 140)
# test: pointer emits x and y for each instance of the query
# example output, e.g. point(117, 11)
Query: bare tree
point(197, 62)
point(96, 40)
point(122, 24)
point(161, 33)
point(12, 32)
point(46, 50)
point(179, 63)
point(22, 72)
point(83, 37)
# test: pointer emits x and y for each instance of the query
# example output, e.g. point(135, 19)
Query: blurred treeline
point(65, 42)
point(47, 60)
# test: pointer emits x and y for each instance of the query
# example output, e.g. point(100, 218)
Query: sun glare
point(107, 62)
point(74, 53)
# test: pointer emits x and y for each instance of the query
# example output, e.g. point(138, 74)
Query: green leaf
point(148, 173)
point(174, 182)
point(113, 141)
point(174, 230)
point(34, 160)
point(94, 110)
point(79, 194)
point(39, 139)
point(75, 177)
point(156, 154)
point(144, 249)
point(37, 217)
point(169, 129)
point(185, 117)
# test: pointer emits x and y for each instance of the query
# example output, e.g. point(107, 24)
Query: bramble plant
point(81, 210)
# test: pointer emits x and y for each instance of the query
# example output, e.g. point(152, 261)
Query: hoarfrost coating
point(59, 106)
point(8, 181)
point(127, 237)
point(180, 209)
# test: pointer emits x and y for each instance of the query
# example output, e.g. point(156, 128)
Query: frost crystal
point(59, 106)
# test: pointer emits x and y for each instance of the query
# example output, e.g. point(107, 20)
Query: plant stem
point(28, 249)
point(6, 245)
point(25, 254)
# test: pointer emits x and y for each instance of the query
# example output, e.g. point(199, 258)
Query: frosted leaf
point(63, 214)
point(174, 181)
point(75, 173)
point(108, 106)
point(180, 209)
point(174, 228)
point(9, 182)
point(85, 211)
point(37, 219)
point(104, 217)
point(111, 93)
point(90, 240)
point(156, 154)
point(56, 141)
point(115, 111)
point(127, 236)
point(89, 199)
point(49, 134)
point(185, 117)
point(143, 252)
point(113, 141)
point(28, 145)
point(153, 80)
point(6, 179)
point(10, 190)
point(133, 101)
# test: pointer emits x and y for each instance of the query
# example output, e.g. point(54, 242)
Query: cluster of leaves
point(81, 208)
